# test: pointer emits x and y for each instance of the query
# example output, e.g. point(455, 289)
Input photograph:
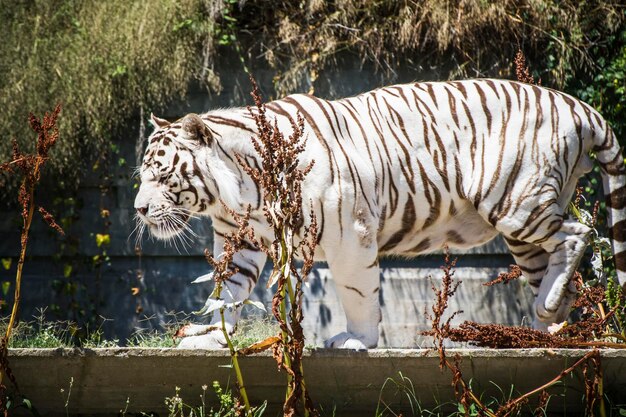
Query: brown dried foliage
point(577, 335)
point(439, 328)
point(582, 333)
point(29, 166)
point(280, 179)
point(259, 346)
point(521, 69)
point(499, 336)
point(278, 176)
point(505, 277)
point(50, 221)
point(223, 267)
point(304, 39)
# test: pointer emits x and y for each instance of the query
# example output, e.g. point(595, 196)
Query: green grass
point(42, 333)
point(227, 405)
point(252, 330)
point(147, 338)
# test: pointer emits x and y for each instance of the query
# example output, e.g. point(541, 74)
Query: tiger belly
point(464, 228)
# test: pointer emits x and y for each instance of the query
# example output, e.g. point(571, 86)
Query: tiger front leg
point(356, 275)
point(249, 262)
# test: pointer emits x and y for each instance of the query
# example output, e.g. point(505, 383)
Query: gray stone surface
point(350, 381)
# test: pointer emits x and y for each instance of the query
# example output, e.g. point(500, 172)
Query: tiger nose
point(142, 210)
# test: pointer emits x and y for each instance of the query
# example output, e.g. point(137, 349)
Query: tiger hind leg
point(557, 290)
point(533, 261)
point(549, 264)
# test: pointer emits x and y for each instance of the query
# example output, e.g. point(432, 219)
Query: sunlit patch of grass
point(254, 329)
point(96, 340)
point(41, 333)
point(150, 338)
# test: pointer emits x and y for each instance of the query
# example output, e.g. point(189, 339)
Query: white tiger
point(401, 170)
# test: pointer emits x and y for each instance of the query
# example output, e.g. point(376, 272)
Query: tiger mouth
point(169, 226)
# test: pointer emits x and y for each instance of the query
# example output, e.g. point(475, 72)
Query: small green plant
point(41, 333)
point(403, 387)
point(222, 271)
point(146, 338)
point(229, 405)
point(66, 397)
point(96, 340)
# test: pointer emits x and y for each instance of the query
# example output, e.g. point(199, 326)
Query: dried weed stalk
point(29, 167)
point(499, 336)
point(505, 277)
point(280, 179)
point(440, 331)
point(592, 372)
point(223, 269)
point(521, 69)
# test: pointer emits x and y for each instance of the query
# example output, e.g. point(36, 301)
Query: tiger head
point(181, 177)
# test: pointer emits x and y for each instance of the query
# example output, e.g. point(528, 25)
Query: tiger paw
point(347, 340)
point(201, 342)
point(200, 337)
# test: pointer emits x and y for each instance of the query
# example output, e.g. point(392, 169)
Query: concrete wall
point(163, 275)
point(349, 382)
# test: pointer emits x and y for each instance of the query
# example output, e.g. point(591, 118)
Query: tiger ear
point(157, 122)
point(195, 129)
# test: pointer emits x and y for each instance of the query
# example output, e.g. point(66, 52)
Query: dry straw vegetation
point(110, 62)
point(458, 38)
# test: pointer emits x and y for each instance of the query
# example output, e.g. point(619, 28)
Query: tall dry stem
point(280, 178)
point(29, 166)
point(222, 271)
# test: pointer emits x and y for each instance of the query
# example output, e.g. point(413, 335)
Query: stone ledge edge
point(313, 353)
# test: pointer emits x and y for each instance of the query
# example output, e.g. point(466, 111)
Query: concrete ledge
point(351, 381)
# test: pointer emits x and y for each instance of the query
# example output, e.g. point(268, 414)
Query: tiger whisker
point(184, 226)
point(139, 238)
point(136, 172)
point(168, 226)
point(184, 236)
point(183, 211)
point(137, 231)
